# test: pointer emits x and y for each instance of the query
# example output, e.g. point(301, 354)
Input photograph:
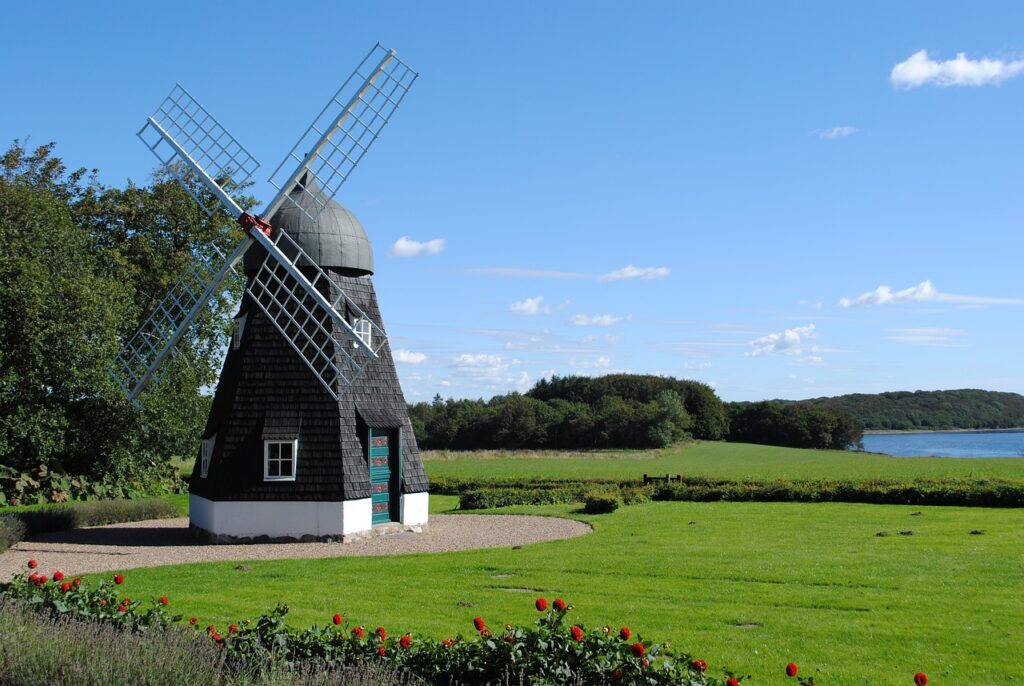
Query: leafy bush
point(43, 485)
point(16, 526)
point(601, 502)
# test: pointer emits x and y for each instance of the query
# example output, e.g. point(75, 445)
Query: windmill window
point(237, 331)
point(205, 453)
point(279, 460)
point(364, 329)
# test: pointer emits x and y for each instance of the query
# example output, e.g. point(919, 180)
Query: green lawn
point(714, 459)
point(749, 585)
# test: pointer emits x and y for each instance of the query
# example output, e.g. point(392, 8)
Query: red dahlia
point(645, 663)
point(541, 604)
point(637, 649)
point(920, 679)
point(58, 575)
point(119, 579)
point(405, 642)
point(381, 651)
point(122, 608)
point(66, 586)
point(358, 632)
point(699, 665)
point(559, 604)
point(791, 669)
point(624, 633)
point(232, 629)
point(732, 681)
point(381, 633)
point(41, 580)
point(577, 633)
point(32, 564)
point(164, 600)
point(336, 619)
point(192, 621)
point(509, 638)
point(479, 623)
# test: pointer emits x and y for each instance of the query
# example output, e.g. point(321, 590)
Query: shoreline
point(886, 432)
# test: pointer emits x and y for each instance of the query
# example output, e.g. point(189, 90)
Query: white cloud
point(837, 132)
point(530, 306)
point(407, 247)
point(919, 70)
point(407, 356)
point(596, 320)
point(789, 342)
point(922, 292)
point(938, 337)
point(627, 272)
point(494, 371)
point(631, 272)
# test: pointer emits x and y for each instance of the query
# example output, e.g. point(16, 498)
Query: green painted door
point(380, 474)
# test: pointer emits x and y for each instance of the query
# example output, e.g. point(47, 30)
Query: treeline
point(576, 412)
point(905, 410)
point(794, 425)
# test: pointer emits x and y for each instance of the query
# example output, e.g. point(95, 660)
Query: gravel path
point(167, 542)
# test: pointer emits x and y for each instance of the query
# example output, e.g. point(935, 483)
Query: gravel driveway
point(167, 542)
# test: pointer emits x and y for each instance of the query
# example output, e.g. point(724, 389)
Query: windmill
point(308, 437)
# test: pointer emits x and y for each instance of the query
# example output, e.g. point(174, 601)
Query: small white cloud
point(938, 337)
point(596, 320)
point(789, 342)
point(919, 70)
point(603, 362)
point(837, 132)
point(530, 306)
point(408, 356)
point(407, 247)
point(631, 272)
point(922, 292)
point(494, 371)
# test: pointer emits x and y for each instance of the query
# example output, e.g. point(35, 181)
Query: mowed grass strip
point(714, 459)
point(748, 585)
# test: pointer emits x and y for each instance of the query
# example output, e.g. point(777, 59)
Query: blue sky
point(783, 201)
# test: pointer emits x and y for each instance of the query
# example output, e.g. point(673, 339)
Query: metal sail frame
point(289, 286)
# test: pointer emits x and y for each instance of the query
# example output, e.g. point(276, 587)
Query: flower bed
point(552, 651)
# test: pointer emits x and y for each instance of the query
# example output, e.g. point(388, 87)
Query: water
point(948, 444)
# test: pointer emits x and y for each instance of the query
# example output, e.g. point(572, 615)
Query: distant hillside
point(966, 408)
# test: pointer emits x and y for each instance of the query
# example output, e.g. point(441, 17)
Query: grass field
point(748, 585)
point(715, 459)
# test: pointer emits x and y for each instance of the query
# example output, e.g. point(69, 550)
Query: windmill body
point(308, 437)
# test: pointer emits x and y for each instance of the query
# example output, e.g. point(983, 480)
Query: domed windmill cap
point(335, 239)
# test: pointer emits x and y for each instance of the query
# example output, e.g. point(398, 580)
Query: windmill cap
point(334, 239)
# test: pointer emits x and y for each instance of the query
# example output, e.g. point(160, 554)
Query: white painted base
point(279, 519)
point(414, 508)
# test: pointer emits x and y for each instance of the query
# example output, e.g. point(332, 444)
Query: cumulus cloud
point(494, 371)
point(407, 247)
point(408, 357)
point(837, 132)
point(922, 292)
point(631, 272)
point(789, 342)
point(938, 337)
point(596, 320)
point(919, 70)
point(530, 306)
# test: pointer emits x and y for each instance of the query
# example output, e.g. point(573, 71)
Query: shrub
point(12, 530)
point(601, 502)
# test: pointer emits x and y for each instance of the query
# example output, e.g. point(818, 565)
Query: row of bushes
point(15, 526)
point(41, 484)
point(977, 493)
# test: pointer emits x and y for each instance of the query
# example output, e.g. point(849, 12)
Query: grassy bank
point(741, 584)
point(740, 461)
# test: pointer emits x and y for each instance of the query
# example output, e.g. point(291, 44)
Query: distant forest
point(928, 410)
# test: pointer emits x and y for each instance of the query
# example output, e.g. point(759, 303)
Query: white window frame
point(363, 328)
point(294, 444)
point(205, 453)
point(237, 331)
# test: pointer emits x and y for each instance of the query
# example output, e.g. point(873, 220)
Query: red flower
point(624, 633)
point(77, 581)
point(699, 665)
point(791, 669)
point(358, 632)
point(381, 651)
point(192, 621)
point(210, 629)
point(103, 602)
point(559, 604)
point(164, 600)
point(405, 642)
point(232, 629)
point(122, 607)
point(217, 638)
point(58, 575)
point(32, 577)
point(509, 638)
point(337, 619)
point(577, 633)
point(41, 580)
point(541, 604)
point(478, 622)
point(381, 633)
point(732, 681)
point(32, 564)
point(448, 642)
point(645, 663)
point(920, 679)
point(66, 586)
point(118, 579)
point(637, 649)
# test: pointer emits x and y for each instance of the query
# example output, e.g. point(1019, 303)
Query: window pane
point(286, 468)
